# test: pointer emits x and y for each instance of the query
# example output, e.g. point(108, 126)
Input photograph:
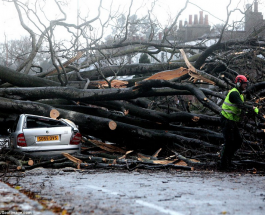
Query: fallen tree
point(173, 106)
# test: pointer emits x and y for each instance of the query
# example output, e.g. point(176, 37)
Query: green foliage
point(144, 59)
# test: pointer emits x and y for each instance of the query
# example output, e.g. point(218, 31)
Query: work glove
point(256, 110)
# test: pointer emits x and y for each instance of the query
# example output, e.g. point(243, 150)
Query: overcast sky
point(164, 9)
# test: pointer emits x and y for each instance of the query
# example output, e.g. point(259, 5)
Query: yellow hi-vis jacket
point(230, 110)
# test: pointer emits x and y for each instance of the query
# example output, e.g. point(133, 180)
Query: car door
point(42, 131)
point(13, 133)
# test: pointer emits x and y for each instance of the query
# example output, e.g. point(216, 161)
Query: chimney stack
point(256, 6)
point(201, 18)
point(180, 24)
point(249, 7)
point(190, 19)
point(206, 22)
point(195, 19)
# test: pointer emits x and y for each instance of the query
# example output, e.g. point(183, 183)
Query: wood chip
point(107, 147)
point(156, 153)
point(164, 162)
point(187, 61)
point(114, 84)
point(181, 163)
point(124, 156)
point(169, 74)
point(195, 76)
point(74, 159)
point(143, 156)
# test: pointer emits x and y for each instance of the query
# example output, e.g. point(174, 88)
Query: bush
point(144, 59)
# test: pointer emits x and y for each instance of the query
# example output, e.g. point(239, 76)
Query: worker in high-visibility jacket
point(230, 116)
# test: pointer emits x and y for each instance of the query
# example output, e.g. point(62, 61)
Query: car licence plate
point(47, 138)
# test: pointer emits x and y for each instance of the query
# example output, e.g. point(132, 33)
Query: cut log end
point(195, 119)
point(54, 113)
point(112, 125)
point(30, 162)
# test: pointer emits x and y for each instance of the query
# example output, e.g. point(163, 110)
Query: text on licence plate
point(47, 138)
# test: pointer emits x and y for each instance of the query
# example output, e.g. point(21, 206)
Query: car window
point(39, 122)
point(14, 127)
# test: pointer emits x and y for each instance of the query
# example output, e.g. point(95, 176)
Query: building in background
point(254, 19)
point(194, 29)
point(198, 29)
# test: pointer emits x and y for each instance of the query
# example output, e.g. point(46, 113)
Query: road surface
point(148, 192)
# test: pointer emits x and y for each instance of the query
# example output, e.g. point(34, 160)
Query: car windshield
point(39, 122)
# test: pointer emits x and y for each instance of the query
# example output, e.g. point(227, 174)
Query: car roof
point(37, 116)
point(67, 121)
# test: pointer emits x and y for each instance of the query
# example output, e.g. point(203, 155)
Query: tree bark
point(23, 80)
point(97, 125)
point(105, 94)
point(127, 70)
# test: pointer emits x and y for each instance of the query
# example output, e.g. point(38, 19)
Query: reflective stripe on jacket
point(230, 110)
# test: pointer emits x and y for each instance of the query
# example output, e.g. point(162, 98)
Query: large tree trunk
point(92, 125)
point(133, 69)
point(23, 80)
point(105, 94)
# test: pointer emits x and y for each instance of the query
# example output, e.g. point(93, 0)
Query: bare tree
point(175, 103)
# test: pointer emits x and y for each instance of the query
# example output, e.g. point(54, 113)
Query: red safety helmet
point(241, 79)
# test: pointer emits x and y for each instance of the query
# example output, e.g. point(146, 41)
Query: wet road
point(172, 192)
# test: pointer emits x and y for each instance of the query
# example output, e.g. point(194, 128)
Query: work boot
point(232, 165)
point(223, 164)
point(226, 164)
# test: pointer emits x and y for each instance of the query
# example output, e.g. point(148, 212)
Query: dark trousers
point(232, 140)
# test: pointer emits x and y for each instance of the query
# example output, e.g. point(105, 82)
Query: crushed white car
point(44, 135)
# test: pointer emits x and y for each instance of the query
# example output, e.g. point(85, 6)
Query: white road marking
point(160, 209)
point(143, 203)
point(103, 190)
